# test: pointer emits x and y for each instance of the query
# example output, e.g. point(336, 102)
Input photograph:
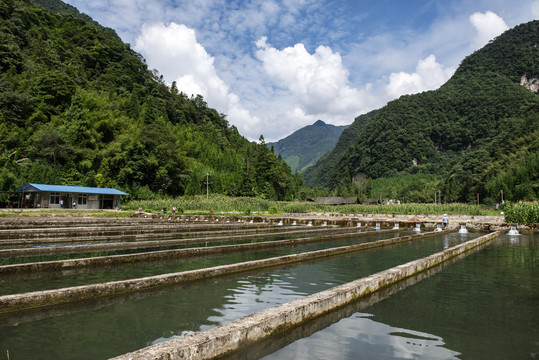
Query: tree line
point(474, 137)
point(80, 107)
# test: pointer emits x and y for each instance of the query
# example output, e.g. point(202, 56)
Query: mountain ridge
point(460, 133)
point(80, 107)
point(305, 146)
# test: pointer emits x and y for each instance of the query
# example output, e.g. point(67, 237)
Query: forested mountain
point(304, 147)
point(330, 159)
point(79, 107)
point(477, 135)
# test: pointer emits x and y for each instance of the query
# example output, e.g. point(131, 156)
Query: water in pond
point(484, 306)
point(202, 243)
point(90, 275)
point(107, 327)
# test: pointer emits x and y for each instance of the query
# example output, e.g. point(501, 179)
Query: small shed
point(336, 200)
point(371, 202)
point(68, 197)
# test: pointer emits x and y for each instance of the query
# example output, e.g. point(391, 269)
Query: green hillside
point(305, 146)
point(313, 175)
point(476, 135)
point(79, 107)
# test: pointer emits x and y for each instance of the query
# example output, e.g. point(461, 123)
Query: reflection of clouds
point(360, 337)
point(253, 295)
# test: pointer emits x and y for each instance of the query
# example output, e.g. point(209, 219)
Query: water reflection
point(483, 306)
point(361, 337)
point(46, 280)
point(116, 325)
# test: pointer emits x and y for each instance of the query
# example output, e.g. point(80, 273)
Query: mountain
point(475, 136)
point(305, 146)
point(331, 158)
point(60, 7)
point(80, 107)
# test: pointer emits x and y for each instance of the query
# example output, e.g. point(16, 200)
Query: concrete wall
point(64, 265)
point(36, 299)
point(241, 333)
point(157, 239)
point(94, 201)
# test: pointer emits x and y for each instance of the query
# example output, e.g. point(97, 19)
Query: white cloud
point(318, 82)
point(174, 50)
point(535, 9)
point(488, 26)
point(348, 59)
point(429, 75)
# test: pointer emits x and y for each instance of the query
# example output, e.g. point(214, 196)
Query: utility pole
point(207, 185)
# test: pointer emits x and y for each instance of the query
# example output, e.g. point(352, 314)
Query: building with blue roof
point(69, 197)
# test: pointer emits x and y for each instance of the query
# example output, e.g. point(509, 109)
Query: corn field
point(523, 213)
point(248, 205)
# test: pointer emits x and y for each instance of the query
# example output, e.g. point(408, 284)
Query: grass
point(65, 213)
point(224, 204)
point(219, 204)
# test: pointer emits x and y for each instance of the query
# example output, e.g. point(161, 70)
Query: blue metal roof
point(72, 189)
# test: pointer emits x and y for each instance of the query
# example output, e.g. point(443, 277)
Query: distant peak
point(319, 123)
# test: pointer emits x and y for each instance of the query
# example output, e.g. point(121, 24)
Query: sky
point(275, 66)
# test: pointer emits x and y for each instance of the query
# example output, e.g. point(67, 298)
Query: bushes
point(226, 204)
point(522, 213)
point(216, 203)
point(75, 100)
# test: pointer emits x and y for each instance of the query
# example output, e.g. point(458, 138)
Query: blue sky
point(274, 66)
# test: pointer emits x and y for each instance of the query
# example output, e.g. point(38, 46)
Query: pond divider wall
point(275, 342)
point(63, 265)
point(84, 248)
point(36, 299)
point(250, 329)
point(186, 234)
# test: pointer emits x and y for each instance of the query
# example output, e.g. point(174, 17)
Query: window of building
point(54, 198)
point(83, 199)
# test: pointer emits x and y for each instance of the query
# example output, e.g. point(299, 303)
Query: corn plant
point(522, 213)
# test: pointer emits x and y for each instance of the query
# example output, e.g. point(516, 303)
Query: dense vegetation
point(256, 206)
point(305, 146)
point(522, 213)
point(79, 107)
point(314, 176)
point(252, 206)
point(476, 136)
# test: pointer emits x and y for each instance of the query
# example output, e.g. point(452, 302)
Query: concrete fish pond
point(169, 288)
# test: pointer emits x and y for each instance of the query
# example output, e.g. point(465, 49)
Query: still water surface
point(201, 243)
point(485, 306)
point(14, 284)
point(113, 326)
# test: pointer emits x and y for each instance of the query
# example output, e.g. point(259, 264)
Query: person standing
point(445, 220)
point(174, 210)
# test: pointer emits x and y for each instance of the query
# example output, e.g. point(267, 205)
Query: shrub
point(522, 213)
